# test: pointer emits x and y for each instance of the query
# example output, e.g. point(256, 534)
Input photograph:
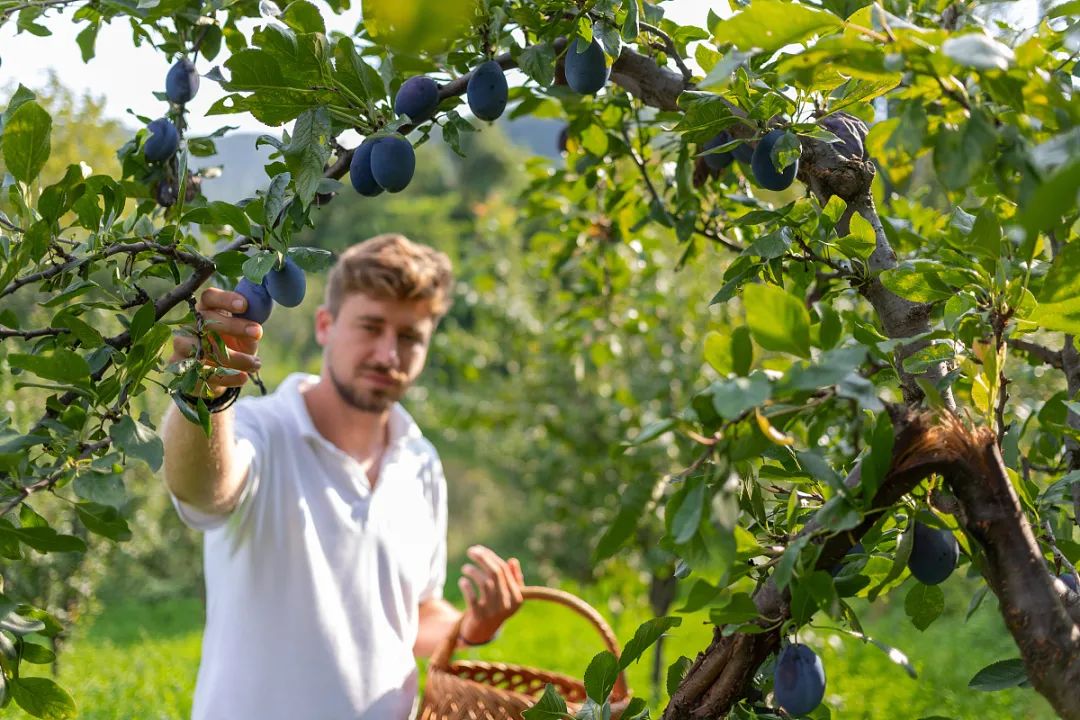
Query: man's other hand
point(495, 597)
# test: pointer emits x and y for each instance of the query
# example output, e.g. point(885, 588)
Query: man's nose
point(386, 350)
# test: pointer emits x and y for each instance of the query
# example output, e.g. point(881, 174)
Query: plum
point(933, 554)
point(286, 284)
point(852, 133)
point(798, 679)
point(586, 71)
point(182, 82)
point(717, 161)
point(765, 171)
point(360, 169)
point(487, 91)
point(418, 97)
point(1069, 579)
point(259, 302)
point(163, 140)
point(393, 162)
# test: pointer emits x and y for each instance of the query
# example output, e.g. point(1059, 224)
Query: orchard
point(883, 197)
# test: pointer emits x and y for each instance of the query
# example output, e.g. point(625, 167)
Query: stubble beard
point(374, 401)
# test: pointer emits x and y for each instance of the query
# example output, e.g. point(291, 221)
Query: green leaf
point(1001, 675)
point(918, 281)
point(718, 352)
point(1063, 280)
point(778, 320)
point(42, 539)
point(538, 62)
point(37, 654)
point(860, 241)
point(961, 153)
point(256, 266)
point(137, 440)
point(42, 698)
point(550, 706)
point(980, 51)
point(731, 398)
point(676, 672)
point(644, 637)
point(786, 567)
point(26, 141)
point(62, 365)
point(303, 16)
point(1055, 197)
point(739, 609)
point(742, 351)
point(770, 25)
point(307, 153)
point(19, 625)
point(601, 675)
point(630, 24)
point(688, 516)
point(311, 259)
point(104, 488)
point(1061, 316)
point(924, 604)
point(417, 26)
point(103, 520)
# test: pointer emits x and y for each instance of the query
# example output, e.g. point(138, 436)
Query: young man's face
point(374, 349)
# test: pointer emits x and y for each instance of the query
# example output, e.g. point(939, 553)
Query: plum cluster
point(181, 84)
point(284, 285)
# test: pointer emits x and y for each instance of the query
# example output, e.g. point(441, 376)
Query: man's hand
point(496, 597)
point(241, 338)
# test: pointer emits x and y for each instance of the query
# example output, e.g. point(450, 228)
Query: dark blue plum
point(856, 549)
point(487, 91)
point(259, 302)
point(393, 163)
point(162, 142)
point(1069, 579)
point(418, 97)
point(798, 679)
point(933, 554)
point(762, 165)
point(717, 161)
point(286, 284)
point(744, 153)
point(360, 169)
point(182, 82)
point(587, 71)
point(852, 133)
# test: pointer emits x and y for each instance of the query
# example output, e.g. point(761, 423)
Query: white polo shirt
point(313, 582)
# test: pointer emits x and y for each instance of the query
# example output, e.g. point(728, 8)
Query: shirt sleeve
point(436, 481)
point(250, 447)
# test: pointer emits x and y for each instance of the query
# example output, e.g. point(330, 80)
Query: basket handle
point(441, 658)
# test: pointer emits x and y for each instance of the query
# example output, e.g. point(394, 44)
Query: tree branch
point(669, 47)
point(1048, 356)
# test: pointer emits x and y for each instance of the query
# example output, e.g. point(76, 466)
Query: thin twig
point(669, 45)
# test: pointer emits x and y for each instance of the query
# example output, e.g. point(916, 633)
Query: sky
point(126, 76)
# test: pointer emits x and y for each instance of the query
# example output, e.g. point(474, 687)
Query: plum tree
point(418, 98)
point(259, 302)
point(393, 162)
point(934, 553)
point(718, 161)
point(163, 140)
point(363, 181)
point(487, 91)
point(764, 169)
point(586, 69)
point(182, 82)
point(893, 328)
point(798, 679)
point(286, 284)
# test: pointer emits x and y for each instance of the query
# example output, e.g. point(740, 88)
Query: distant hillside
point(242, 164)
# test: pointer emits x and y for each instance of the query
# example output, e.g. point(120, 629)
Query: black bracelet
point(216, 405)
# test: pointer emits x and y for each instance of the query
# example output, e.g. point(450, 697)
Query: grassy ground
point(139, 661)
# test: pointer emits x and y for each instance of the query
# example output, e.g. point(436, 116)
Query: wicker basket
point(471, 690)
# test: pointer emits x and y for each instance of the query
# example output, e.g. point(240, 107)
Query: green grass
point(140, 660)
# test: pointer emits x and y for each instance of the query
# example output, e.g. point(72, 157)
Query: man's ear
point(323, 321)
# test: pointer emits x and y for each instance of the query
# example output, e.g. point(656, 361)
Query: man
point(324, 508)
